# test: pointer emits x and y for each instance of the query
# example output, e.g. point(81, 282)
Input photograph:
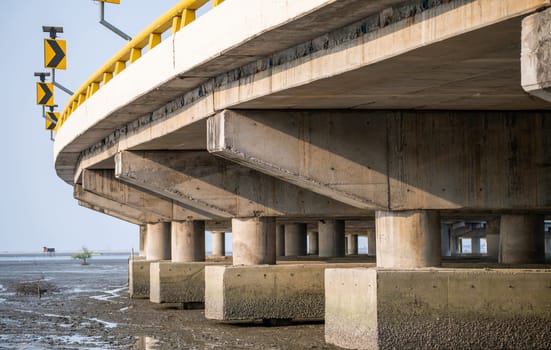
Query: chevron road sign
point(45, 94)
point(111, 1)
point(51, 120)
point(55, 54)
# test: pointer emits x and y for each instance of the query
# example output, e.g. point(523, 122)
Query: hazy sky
point(37, 207)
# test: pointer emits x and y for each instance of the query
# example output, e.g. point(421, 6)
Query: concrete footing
point(138, 277)
point(173, 282)
point(437, 308)
point(235, 293)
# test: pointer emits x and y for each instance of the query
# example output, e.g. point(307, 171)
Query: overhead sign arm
point(108, 25)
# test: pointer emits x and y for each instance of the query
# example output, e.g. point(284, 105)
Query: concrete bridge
point(414, 123)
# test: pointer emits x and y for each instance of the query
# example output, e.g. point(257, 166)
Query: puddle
point(104, 323)
point(148, 343)
point(109, 294)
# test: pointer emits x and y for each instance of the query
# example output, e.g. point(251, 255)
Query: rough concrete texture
point(536, 54)
point(254, 241)
point(172, 282)
point(138, 277)
point(438, 308)
point(266, 292)
point(188, 241)
point(521, 239)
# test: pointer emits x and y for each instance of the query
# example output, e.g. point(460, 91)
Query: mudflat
point(87, 307)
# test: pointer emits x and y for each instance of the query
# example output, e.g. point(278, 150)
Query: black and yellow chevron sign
point(55, 54)
point(45, 94)
point(112, 1)
point(51, 120)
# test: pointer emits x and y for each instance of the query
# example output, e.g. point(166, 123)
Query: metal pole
point(108, 25)
point(59, 86)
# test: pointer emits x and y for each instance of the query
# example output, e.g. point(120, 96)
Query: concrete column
point(143, 233)
point(313, 243)
point(280, 240)
point(475, 245)
point(331, 238)
point(521, 239)
point(446, 244)
point(218, 243)
point(188, 241)
point(492, 237)
point(157, 243)
point(548, 243)
point(295, 239)
point(371, 243)
point(254, 240)
point(352, 247)
point(408, 239)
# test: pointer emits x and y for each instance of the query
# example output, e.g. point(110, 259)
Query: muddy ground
point(87, 307)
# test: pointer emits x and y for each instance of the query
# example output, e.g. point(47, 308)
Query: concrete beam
point(397, 159)
point(111, 213)
point(104, 204)
point(536, 54)
point(104, 184)
point(220, 187)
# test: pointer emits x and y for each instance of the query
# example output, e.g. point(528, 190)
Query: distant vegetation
point(84, 256)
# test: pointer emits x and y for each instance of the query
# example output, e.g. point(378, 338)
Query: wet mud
point(90, 309)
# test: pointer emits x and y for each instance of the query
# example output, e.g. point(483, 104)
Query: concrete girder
point(396, 159)
point(536, 54)
point(98, 203)
point(110, 213)
point(221, 187)
point(104, 184)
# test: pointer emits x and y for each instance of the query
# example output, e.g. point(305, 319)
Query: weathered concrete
point(121, 216)
point(535, 54)
point(253, 241)
point(437, 309)
point(138, 277)
point(397, 159)
point(266, 292)
point(352, 246)
point(188, 241)
point(218, 243)
point(280, 240)
point(313, 243)
point(104, 184)
point(157, 243)
point(219, 187)
point(475, 245)
point(521, 239)
point(371, 243)
point(295, 239)
point(143, 237)
point(492, 237)
point(331, 238)
point(177, 282)
point(408, 239)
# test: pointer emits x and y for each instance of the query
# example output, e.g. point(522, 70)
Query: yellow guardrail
point(176, 18)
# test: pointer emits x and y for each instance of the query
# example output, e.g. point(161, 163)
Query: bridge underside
point(400, 123)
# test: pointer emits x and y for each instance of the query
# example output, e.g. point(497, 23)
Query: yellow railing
point(176, 18)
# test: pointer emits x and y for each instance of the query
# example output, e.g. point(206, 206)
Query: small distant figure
point(49, 251)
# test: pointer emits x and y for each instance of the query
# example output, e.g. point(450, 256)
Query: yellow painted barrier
point(176, 18)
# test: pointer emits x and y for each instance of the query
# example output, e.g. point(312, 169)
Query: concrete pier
point(218, 243)
point(280, 240)
point(254, 241)
point(313, 243)
point(331, 238)
point(188, 241)
point(352, 246)
point(295, 240)
point(371, 243)
point(408, 239)
point(492, 237)
point(157, 244)
point(521, 239)
point(475, 245)
point(437, 308)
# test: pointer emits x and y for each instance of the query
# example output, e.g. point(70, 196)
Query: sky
point(37, 208)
